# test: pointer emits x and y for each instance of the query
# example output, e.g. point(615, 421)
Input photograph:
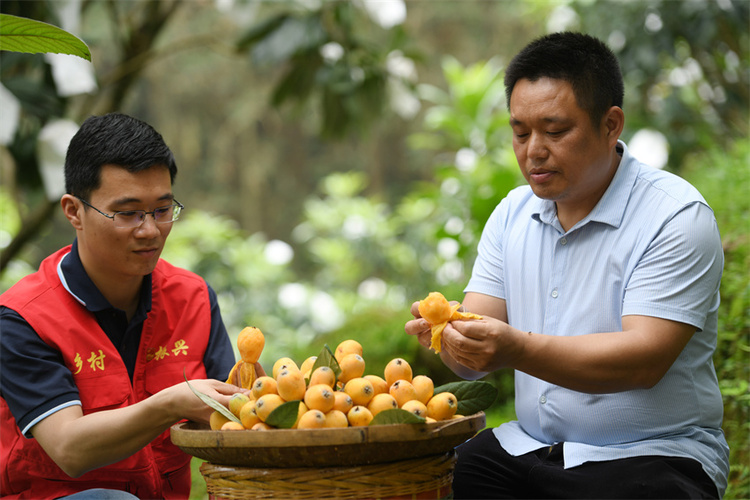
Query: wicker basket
point(422, 478)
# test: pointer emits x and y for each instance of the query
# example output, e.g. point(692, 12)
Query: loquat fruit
point(352, 366)
point(336, 418)
point(378, 383)
point(416, 407)
point(236, 402)
point(359, 416)
point(266, 404)
point(264, 385)
point(402, 391)
point(360, 389)
point(247, 415)
point(216, 420)
point(343, 402)
point(442, 406)
point(424, 387)
point(290, 384)
point(232, 426)
point(381, 402)
point(397, 369)
point(312, 419)
point(319, 397)
point(282, 363)
point(323, 375)
point(348, 346)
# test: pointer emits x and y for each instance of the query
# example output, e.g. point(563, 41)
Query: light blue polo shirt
point(650, 247)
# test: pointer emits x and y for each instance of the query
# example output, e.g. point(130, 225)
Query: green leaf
point(472, 396)
point(396, 416)
point(18, 34)
point(284, 416)
point(327, 358)
point(212, 402)
point(260, 31)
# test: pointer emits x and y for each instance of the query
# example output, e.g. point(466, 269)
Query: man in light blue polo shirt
point(599, 285)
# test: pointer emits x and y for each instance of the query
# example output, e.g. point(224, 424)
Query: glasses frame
point(174, 203)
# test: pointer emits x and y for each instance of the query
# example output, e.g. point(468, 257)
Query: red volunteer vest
point(174, 338)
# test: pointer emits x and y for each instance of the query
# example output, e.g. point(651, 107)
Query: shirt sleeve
point(219, 356)
point(34, 380)
point(487, 275)
point(679, 274)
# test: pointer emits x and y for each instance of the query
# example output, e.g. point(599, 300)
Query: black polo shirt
point(34, 380)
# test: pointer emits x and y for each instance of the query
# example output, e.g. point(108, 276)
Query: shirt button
point(543, 399)
point(554, 293)
point(564, 241)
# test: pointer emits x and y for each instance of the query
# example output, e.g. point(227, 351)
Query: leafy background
point(338, 161)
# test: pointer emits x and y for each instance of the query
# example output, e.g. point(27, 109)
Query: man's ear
point(72, 210)
point(613, 123)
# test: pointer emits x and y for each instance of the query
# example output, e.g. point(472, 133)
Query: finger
point(415, 310)
point(416, 326)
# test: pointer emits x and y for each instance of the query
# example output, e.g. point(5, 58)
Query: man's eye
point(162, 211)
point(128, 214)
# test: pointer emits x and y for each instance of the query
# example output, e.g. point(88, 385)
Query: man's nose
point(148, 225)
point(536, 147)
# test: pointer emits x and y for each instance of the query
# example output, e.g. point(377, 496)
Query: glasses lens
point(131, 218)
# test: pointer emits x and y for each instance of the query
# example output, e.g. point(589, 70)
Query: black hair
point(113, 139)
point(585, 62)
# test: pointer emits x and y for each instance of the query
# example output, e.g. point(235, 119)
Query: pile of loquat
point(343, 397)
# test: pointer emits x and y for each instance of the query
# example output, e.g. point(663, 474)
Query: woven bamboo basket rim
point(407, 477)
point(324, 447)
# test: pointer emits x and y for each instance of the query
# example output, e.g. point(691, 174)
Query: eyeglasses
point(131, 219)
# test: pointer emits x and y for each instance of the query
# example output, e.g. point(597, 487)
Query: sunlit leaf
point(18, 34)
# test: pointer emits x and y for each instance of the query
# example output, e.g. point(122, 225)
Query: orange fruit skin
point(348, 346)
point(320, 397)
point(312, 419)
point(282, 363)
point(402, 391)
point(360, 389)
point(266, 404)
point(250, 343)
point(323, 375)
point(247, 416)
point(232, 426)
point(379, 384)
point(264, 385)
point(442, 406)
point(352, 366)
point(216, 420)
point(416, 407)
point(382, 402)
point(336, 418)
point(343, 402)
point(424, 387)
point(397, 369)
point(290, 384)
point(359, 416)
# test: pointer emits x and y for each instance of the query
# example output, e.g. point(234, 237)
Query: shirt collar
point(611, 207)
point(78, 283)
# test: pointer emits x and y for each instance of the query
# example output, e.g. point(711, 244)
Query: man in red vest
point(95, 345)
